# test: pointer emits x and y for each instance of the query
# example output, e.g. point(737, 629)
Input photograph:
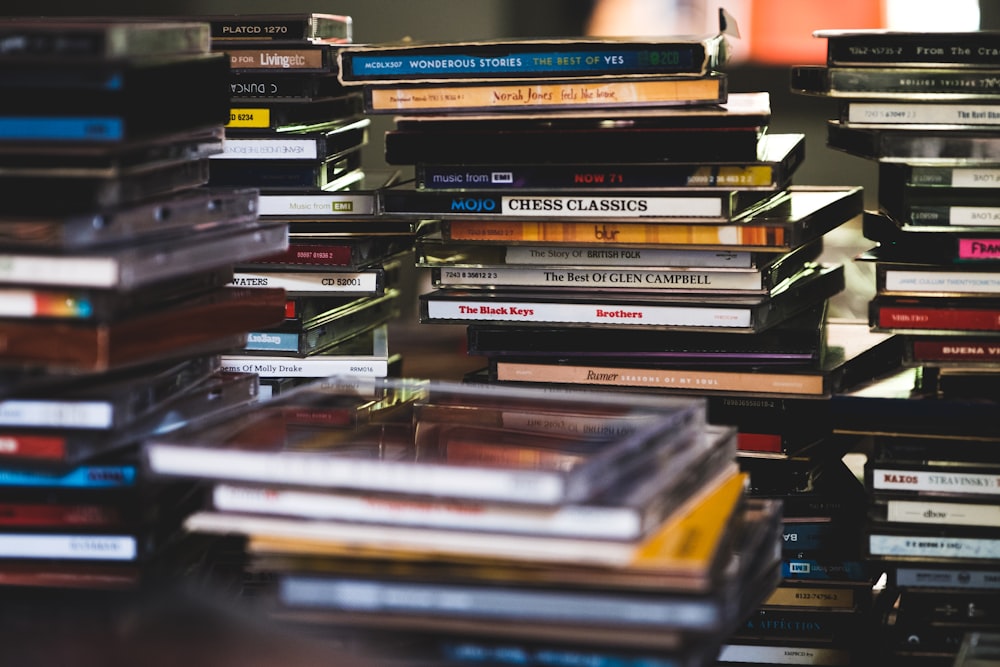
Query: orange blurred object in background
point(781, 31)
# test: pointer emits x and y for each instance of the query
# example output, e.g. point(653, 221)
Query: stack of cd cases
point(594, 238)
point(297, 134)
point(615, 243)
point(926, 108)
point(291, 124)
point(114, 304)
point(601, 221)
point(595, 211)
point(416, 517)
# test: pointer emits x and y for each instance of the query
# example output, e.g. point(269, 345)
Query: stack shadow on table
point(114, 304)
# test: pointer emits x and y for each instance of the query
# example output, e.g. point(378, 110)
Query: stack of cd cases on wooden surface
point(574, 522)
point(926, 108)
point(114, 304)
point(296, 133)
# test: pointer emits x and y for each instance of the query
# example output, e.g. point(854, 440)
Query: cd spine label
point(811, 570)
point(942, 281)
point(23, 303)
point(264, 30)
point(268, 149)
point(330, 27)
point(84, 477)
point(969, 248)
point(305, 368)
point(548, 256)
point(361, 474)
point(783, 383)
point(308, 281)
point(967, 177)
point(548, 206)
point(564, 60)
point(53, 515)
point(634, 315)
point(962, 514)
point(470, 177)
point(25, 446)
point(598, 522)
point(809, 596)
point(933, 350)
point(966, 216)
point(249, 117)
point(71, 547)
point(915, 577)
point(612, 233)
point(277, 59)
point(112, 41)
point(56, 414)
point(784, 655)
point(59, 270)
point(887, 479)
point(267, 341)
point(65, 128)
point(930, 114)
point(402, 597)
point(930, 546)
point(601, 278)
point(943, 176)
point(937, 318)
point(552, 95)
point(966, 49)
point(921, 81)
point(307, 205)
point(760, 442)
point(311, 254)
